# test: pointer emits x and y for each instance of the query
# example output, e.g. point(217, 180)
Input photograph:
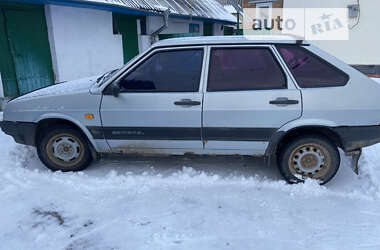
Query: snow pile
point(183, 204)
point(376, 79)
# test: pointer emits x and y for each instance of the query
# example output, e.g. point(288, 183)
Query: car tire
point(309, 156)
point(65, 149)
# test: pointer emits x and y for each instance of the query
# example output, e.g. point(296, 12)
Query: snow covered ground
point(183, 203)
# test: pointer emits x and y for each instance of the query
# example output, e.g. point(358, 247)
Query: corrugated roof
point(209, 9)
point(234, 3)
point(231, 9)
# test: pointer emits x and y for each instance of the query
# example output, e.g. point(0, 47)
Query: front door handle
point(283, 101)
point(187, 102)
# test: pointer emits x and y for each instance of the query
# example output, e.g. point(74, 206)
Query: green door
point(207, 29)
point(25, 63)
point(7, 69)
point(127, 27)
point(29, 45)
point(228, 31)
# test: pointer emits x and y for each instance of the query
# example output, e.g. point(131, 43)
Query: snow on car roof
point(209, 9)
point(228, 40)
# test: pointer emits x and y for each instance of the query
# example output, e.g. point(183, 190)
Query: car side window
point(234, 69)
point(309, 70)
point(166, 71)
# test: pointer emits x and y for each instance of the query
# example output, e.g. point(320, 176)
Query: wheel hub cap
point(66, 148)
point(308, 160)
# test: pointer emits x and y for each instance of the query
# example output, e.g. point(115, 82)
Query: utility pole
point(239, 8)
point(237, 15)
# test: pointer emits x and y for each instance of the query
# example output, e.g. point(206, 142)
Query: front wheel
point(64, 149)
point(309, 157)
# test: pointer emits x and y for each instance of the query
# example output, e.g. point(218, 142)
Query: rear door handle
point(283, 101)
point(187, 102)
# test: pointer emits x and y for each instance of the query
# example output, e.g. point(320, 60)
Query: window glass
point(168, 71)
point(309, 70)
point(233, 69)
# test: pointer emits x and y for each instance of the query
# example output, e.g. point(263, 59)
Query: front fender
point(70, 119)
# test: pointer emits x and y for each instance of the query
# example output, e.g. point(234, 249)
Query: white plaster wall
point(218, 29)
point(363, 45)
point(1, 88)
point(144, 43)
point(82, 42)
point(176, 25)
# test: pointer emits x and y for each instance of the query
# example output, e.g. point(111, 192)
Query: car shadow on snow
point(223, 166)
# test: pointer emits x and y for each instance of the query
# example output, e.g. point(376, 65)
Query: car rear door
point(247, 98)
point(159, 106)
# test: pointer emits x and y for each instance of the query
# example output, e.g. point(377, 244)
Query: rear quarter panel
point(355, 104)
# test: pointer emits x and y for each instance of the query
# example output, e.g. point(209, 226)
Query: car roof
point(215, 40)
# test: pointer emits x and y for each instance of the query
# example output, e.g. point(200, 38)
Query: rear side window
point(234, 69)
point(167, 71)
point(309, 70)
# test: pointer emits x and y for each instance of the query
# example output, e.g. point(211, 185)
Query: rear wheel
point(64, 149)
point(309, 157)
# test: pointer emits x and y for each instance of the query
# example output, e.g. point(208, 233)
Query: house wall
point(179, 26)
point(82, 42)
point(218, 29)
point(277, 4)
point(362, 47)
point(176, 25)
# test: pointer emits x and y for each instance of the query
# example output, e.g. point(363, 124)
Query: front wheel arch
point(72, 151)
point(44, 125)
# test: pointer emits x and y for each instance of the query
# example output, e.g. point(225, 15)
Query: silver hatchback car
point(283, 99)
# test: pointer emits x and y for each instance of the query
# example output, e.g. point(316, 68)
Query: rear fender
point(276, 138)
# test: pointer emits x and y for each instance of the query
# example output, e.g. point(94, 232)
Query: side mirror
point(115, 89)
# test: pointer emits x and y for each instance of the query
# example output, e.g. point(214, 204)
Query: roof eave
point(120, 9)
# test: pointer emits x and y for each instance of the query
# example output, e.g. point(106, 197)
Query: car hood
point(62, 88)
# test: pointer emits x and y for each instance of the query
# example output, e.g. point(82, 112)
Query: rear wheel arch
point(282, 137)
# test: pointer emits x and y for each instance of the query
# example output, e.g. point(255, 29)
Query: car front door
point(159, 108)
point(247, 98)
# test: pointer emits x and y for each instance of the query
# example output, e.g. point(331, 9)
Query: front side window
point(234, 69)
point(309, 70)
point(166, 71)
